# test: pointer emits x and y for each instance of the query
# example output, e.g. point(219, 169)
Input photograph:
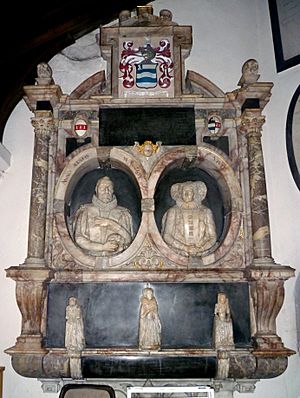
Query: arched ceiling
point(35, 31)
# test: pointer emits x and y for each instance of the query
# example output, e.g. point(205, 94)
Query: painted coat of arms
point(153, 65)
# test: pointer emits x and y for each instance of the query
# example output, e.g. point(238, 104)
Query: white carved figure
point(166, 15)
point(124, 17)
point(44, 74)
point(149, 322)
point(223, 330)
point(74, 335)
point(189, 227)
point(103, 228)
point(249, 73)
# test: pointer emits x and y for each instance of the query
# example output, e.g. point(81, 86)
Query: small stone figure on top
point(249, 73)
point(44, 74)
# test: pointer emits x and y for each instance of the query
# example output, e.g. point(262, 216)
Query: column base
point(35, 262)
point(268, 342)
point(270, 345)
point(27, 343)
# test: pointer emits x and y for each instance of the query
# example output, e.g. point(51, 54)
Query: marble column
point(266, 278)
point(251, 124)
point(43, 127)
point(32, 276)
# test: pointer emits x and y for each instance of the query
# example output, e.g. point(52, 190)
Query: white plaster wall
point(225, 35)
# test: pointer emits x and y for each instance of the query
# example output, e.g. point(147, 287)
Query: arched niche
point(224, 198)
point(76, 186)
point(125, 189)
point(213, 199)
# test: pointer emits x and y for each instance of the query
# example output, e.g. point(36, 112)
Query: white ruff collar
point(105, 206)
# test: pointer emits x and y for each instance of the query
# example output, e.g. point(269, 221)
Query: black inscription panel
point(149, 367)
point(172, 126)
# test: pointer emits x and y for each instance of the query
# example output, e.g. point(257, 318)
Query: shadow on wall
point(297, 305)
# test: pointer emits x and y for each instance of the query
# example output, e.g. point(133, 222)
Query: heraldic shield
point(146, 75)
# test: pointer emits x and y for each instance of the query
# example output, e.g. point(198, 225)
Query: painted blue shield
point(146, 75)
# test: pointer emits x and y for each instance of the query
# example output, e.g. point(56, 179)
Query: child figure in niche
point(74, 336)
point(223, 329)
point(149, 322)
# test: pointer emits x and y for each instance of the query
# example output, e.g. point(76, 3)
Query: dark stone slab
point(73, 143)
point(149, 367)
point(221, 143)
point(29, 365)
point(242, 366)
point(111, 313)
point(268, 368)
point(172, 126)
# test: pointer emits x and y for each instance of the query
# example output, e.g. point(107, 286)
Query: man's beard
point(106, 198)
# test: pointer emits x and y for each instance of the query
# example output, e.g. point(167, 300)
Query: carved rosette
point(43, 124)
point(148, 258)
point(251, 125)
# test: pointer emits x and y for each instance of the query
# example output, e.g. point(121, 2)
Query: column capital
point(43, 123)
point(252, 121)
